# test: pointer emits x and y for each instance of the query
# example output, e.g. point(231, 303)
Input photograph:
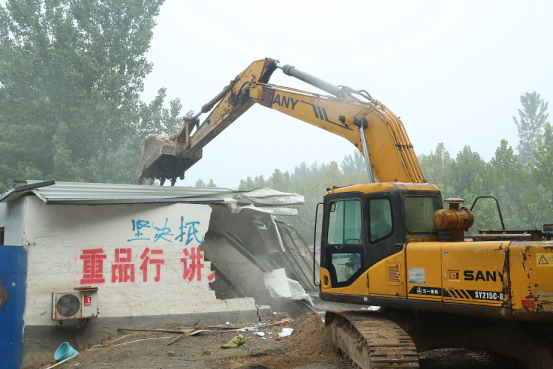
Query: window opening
point(346, 265)
point(344, 225)
point(345, 234)
point(380, 213)
point(419, 213)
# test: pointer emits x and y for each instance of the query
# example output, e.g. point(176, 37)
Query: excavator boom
point(363, 121)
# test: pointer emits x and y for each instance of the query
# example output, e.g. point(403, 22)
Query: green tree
point(530, 124)
point(438, 170)
point(251, 184)
point(540, 207)
point(543, 154)
point(541, 204)
point(354, 163)
point(505, 164)
point(510, 184)
point(468, 173)
point(302, 172)
point(526, 198)
point(333, 176)
point(200, 183)
point(279, 180)
point(70, 77)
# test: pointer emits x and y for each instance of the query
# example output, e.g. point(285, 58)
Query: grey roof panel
point(23, 190)
point(104, 193)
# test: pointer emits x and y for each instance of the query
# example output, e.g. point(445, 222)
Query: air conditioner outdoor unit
point(79, 304)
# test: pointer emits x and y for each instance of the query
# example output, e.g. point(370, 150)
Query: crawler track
point(371, 340)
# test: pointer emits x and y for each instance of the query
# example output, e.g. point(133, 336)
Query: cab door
point(382, 235)
point(343, 237)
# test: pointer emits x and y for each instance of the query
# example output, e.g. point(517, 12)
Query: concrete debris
point(279, 285)
point(265, 200)
point(245, 242)
point(276, 211)
point(285, 332)
point(268, 196)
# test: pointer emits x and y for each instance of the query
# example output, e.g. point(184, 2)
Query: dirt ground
point(308, 347)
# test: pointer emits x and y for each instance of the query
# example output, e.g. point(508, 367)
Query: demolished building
point(79, 260)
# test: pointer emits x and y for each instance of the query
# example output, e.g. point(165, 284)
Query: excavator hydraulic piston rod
point(312, 80)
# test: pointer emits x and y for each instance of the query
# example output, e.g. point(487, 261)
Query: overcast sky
point(453, 71)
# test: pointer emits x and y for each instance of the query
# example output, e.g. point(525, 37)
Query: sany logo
point(485, 275)
point(419, 291)
point(285, 101)
point(87, 300)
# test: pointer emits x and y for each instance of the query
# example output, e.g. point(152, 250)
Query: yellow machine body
point(500, 279)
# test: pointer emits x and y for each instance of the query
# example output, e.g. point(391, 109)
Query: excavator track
point(371, 340)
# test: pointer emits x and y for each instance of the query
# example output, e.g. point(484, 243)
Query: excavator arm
point(365, 122)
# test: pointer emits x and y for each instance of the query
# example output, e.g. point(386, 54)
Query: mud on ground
point(309, 346)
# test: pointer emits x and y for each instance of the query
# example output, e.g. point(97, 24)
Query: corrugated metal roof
point(76, 193)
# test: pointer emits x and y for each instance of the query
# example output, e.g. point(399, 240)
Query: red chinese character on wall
point(93, 269)
point(196, 258)
point(147, 260)
point(122, 270)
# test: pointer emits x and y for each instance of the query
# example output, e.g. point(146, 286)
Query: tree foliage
point(543, 154)
point(71, 74)
point(201, 183)
point(532, 118)
point(525, 192)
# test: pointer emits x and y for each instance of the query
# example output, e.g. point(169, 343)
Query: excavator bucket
point(160, 159)
point(169, 157)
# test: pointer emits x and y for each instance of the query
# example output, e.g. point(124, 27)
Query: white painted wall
point(12, 217)
point(58, 236)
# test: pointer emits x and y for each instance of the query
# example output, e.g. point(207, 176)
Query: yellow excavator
point(390, 243)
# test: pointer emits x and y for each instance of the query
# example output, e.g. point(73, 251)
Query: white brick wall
point(58, 236)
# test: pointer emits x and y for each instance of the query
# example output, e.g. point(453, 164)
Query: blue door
point(13, 274)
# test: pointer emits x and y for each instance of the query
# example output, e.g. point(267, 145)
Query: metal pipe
point(366, 155)
point(496, 202)
point(208, 106)
point(312, 80)
point(315, 245)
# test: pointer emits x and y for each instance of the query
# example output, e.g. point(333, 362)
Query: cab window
point(344, 223)
point(419, 213)
point(346, 265)
point(380, 213)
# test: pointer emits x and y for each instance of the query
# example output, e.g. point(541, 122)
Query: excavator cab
point(365, 224)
